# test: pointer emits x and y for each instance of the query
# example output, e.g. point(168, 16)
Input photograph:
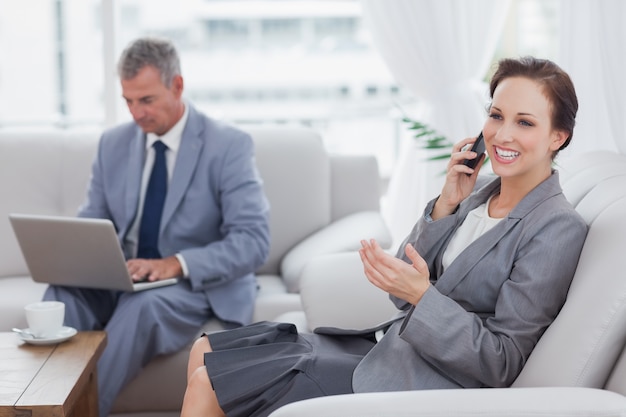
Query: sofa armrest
point(511, 402)
point(335, 284)
point(342, 235)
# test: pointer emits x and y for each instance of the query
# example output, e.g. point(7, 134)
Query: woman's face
point(518, 133)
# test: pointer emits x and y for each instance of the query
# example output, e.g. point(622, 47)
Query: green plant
point(429, 138)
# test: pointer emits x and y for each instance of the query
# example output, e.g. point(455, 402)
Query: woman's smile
point(505, 155)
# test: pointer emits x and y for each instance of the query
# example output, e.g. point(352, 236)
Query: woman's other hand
point(406, 281)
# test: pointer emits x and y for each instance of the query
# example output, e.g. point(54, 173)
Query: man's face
point(154, 107)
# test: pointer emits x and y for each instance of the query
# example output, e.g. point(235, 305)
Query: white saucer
point(64, 334)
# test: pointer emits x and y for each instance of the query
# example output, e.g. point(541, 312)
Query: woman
point(481, 276)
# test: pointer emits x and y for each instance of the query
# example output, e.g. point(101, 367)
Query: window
point(281, 32)
point(300, 62)
point(50, 73)
point(227, 33)
point(531, 28)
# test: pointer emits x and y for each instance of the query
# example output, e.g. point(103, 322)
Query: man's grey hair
point(158, 53)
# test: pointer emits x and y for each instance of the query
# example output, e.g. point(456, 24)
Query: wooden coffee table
point(53, 380)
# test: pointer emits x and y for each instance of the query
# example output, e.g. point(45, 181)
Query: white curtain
point(593, 48)
point(440, 50)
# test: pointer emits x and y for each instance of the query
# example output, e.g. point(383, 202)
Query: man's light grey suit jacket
point(215, 213)
point(478, 323)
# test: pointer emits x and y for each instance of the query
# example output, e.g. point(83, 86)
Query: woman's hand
point(460, 179)
point(406, 281)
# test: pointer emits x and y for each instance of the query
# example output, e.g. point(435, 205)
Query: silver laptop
point(75, 252)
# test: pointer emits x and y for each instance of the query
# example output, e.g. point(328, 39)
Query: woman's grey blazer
point(478, 323)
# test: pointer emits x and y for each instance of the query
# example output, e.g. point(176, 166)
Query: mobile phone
point(479, 148)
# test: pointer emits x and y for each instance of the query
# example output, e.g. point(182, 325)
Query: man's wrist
point(183, 265)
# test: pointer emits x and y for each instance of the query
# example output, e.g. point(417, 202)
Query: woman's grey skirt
point(258, 368)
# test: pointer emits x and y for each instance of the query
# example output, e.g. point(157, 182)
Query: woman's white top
point(475, 225)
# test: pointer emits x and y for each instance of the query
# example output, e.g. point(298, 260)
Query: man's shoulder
point(121, 132)
point(215, 129)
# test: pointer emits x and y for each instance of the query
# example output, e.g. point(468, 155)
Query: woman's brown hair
point(556, 83)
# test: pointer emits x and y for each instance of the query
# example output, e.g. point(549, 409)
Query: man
point(207, 221)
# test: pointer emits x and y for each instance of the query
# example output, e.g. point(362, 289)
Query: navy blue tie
point(148, 246)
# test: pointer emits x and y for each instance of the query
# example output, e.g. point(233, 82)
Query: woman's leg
point(196, 355)
point(200, 399)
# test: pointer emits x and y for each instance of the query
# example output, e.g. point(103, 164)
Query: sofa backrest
point(617, 379)
point(582, 172)
point(296, 173)
point(309, 188)
point(47, 171)
point(43, 172)
point(355, 185)
point(585, 341)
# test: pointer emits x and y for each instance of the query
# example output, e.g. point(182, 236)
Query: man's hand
point(154, 269)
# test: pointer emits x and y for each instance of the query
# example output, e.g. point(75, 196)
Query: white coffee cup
point(45, 318)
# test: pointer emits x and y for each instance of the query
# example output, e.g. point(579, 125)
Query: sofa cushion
point(335, 284)
point(349, 174)
point(46, 173)
point(617, 380)
point(273, 299)
point(582, 345)
point(344, 235)
point(582, 172)
point(500, 402)
point(295, 169)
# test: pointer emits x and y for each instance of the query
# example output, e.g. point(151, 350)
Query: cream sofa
point(578, 367)
point(320, 203)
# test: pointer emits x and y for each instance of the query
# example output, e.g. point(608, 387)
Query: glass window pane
point(252, 62)
point(532, 28)
point(29, 65)
point(51, 66)
point(272, 61)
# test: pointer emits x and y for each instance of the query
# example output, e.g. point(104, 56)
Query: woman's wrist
point(419, 293)
point(442, 209)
